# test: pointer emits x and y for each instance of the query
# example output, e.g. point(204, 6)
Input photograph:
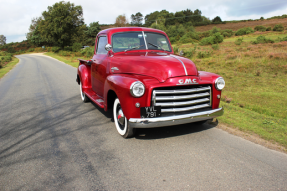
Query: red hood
point(158, 65)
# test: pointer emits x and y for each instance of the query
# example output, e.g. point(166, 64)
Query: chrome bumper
point(174, 120)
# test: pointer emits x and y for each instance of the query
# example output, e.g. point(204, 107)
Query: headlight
point(137, 89)
point(219, 83)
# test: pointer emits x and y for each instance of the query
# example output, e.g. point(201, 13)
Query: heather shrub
point(260, 28)
point(244, 31)
point(278, 28)
point(215, 30)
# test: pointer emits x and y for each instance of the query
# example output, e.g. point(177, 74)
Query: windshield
point(135, 41)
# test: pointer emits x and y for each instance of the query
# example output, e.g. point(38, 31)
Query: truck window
point(102, 41)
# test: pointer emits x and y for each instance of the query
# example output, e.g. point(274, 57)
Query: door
point(99, 66)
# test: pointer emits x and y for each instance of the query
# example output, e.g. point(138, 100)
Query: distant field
point(236, 26)
point(252, 37)
point(254, 98)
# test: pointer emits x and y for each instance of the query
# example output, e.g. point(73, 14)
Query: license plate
point(150, 112)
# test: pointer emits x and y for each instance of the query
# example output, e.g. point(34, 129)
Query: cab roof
point(127, 29)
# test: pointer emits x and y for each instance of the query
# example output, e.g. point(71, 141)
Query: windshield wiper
point(134, 48)
point(156, 46)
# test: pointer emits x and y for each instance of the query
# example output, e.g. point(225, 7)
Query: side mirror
point(108, 47)
point(89, 62)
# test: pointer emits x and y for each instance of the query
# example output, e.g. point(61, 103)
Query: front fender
point(120, 84)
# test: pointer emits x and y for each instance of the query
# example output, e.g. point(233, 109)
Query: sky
point(16, 15)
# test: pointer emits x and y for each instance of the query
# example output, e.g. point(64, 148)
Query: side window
point(102, 41)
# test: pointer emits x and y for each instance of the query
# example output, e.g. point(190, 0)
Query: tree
point(62, 24)
point(121, 21)
point(35, 22)
point(93, 29)
point(2, 40)
point(137, 19)
point(217, 19)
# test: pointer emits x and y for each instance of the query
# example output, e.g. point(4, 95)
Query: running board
point(94, 97)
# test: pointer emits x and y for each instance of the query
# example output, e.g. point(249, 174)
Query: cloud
point(16, 15)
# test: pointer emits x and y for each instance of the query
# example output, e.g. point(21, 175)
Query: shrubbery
point(88, 52)
point(268, 29)
point(214, 39)
point(56, 49)
point(278, 28)
point(227, 32)
point(76, 47)
point(260, 28)
point(262, 39)
point(244, 31)
point(189, 37)
point(239, 41)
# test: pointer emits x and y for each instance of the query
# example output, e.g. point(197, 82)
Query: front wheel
point(121, 121)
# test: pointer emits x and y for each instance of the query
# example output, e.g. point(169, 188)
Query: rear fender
point(84, 72)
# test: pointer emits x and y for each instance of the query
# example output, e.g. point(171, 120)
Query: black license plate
point(151, 112)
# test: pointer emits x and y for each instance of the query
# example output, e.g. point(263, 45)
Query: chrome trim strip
point(182, 103)
point(184, 109)
point(114, 68)
point(174, 120)
point(181, 63)
point(154, 98)
point(144, 41)
point(182, 90)
point(183, 97)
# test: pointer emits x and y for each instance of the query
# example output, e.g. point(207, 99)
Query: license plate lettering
point(150, 112)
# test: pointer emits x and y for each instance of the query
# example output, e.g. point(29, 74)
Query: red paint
point(154, 68)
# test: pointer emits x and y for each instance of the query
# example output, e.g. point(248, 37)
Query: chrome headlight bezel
point(219, 83)
point(134, 85)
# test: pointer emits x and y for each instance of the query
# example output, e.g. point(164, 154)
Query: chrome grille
point(182, 100)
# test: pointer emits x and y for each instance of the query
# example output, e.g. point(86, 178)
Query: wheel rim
point(119, 118)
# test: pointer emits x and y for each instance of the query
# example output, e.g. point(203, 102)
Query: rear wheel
point(83, 95)
point(121, 121)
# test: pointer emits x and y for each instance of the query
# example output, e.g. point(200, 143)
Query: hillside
point(237, 25)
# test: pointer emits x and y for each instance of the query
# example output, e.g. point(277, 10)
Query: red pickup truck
point(135, 72)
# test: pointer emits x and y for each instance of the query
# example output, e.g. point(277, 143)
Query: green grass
point(70, 60)
point(253, 36)
point(8, 67)
point(256, 87)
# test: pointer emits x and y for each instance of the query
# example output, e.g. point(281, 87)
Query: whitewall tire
point(121, 121)
point(83, 95)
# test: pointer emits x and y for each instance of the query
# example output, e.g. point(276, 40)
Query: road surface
point(51, 140)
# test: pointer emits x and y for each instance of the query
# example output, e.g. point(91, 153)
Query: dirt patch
point(236, 26)
point(253, 138)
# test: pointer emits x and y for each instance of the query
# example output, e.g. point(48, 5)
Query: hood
point(155, 64)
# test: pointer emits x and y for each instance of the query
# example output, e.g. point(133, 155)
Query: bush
point(55, 49)
point(215, 46)
point(30, 50)
point(262, 39)
point(227, 32)
point(239, 41)
point(6, 58)
point(260, 28)
point(278, 28)
point(268, 29)
point(68, 48)
point(214, 39)
point(172, 40)
point(76, 47)
point(88, 52)
point(11, 49)
point(244, 31)
point(190, 53)
point(215, 30)
point(189, 37)
point(203, 54)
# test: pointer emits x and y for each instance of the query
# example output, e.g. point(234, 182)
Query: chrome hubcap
point(121, 117)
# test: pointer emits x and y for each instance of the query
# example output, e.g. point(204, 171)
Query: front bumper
point(174, 120)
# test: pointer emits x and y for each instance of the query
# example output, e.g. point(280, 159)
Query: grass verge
point(73, 61)
point(8, 67)
point(254, 98)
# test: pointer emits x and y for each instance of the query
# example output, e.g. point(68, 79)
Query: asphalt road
point(50, 140)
